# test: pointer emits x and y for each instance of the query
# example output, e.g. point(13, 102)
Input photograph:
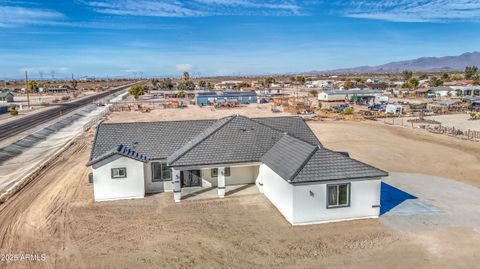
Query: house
point(442, 91)
point(6, 97)
point(211, 97)
point(355, 95)
point(305, 181)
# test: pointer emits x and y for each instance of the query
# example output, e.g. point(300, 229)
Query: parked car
point(376, 107)
point(340, 107)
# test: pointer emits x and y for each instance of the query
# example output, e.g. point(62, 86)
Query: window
point(215, 172)
point(161, 172)
point(338, 195)
point(119, 172)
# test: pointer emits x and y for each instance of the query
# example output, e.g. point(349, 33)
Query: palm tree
point(186, 76)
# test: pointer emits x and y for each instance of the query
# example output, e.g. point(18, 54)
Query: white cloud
point(414, 10)
point(14, 15)
point(195, 8)
point(184, 67)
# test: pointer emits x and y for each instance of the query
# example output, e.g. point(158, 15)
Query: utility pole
point(26, 88)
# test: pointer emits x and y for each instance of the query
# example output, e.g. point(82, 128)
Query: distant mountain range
point(424, 64)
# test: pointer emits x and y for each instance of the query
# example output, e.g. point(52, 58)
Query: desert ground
point(55, 215)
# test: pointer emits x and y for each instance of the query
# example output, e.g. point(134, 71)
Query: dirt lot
point(399, 149)
point(195, 113)
point(56, 216)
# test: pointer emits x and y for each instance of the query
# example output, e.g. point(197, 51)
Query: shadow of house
point(391, 197)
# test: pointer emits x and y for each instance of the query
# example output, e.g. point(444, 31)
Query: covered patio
point(198, 193)
point(214, 181)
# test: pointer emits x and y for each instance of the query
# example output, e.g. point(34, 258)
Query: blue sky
point(226, 37)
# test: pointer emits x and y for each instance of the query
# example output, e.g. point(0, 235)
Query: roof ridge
point(138, 122)
point(303, 164)
point(190, 147)
point(273, 128)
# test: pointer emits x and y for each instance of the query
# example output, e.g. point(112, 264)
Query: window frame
point(118, 169)
point(161, 167)
point(215, 175)
point(349, 192)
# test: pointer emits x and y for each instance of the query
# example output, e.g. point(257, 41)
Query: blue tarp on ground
point(390, 197)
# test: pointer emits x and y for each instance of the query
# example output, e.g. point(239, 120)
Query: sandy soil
point(399, 149)
point(195, 113)
point(55, 215)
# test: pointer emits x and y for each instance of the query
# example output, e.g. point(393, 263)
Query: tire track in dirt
point(37, 213)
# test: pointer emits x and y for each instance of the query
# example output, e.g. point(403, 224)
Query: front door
point(191, 178)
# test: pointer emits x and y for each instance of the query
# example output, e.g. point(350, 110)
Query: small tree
point(301, 79)
point(32, 86)
point(407, 75)
point(181, 94)
point(13, 110)
point(269, 81)
point(471, 72)
point(348, 110)
point(413, 83)
point(202, 84)
point(186, 76)
point(186, 86)
point(243, 85)
point(166, 84)
point(136, 91)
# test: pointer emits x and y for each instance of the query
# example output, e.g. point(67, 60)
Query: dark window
point(161, 172)
point(215, 172)
point(338, 195)
point(119, 172)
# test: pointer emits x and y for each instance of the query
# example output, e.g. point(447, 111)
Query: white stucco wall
point(364, 202)
point(238, 175)
point(278, 191)
point(107, 188)
point(158, 186)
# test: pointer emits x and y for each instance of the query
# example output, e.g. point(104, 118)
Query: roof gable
point(288, 156)
point(327, 165)
point(239, 139)
point(123, 151)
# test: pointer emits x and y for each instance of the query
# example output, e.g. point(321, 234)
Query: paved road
point(17, 126)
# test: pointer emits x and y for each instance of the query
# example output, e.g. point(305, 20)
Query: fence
point(452, 131)
point(97, 118)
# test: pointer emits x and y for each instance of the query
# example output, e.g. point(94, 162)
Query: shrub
point(348, 111)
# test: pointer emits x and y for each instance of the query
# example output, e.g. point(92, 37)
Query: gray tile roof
point(286, 144)
point(288, 156)
point(326, 165)
point(294, 126)
point(237, 139)
point(199, 138)
point(157, 140)
point(123, 151)
point(297, 161)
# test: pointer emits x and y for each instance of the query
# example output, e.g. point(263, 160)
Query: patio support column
point(221, 182)
point(177, 188)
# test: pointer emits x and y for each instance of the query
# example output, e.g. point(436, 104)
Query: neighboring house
point(6, 97)
point(305, 181)
point(212, 97)
point(356, 95)
point(442, 91)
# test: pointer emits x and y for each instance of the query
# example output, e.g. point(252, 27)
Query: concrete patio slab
point(421, 202)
